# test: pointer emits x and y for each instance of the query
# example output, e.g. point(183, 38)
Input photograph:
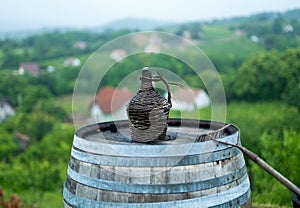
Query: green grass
point(215, 113)
point(52, 199)
point(58, 63)
point(216, 32)
point(226, 49)
point(66, 103)
point(203, 114)
point(81, 104)
point(268, 205)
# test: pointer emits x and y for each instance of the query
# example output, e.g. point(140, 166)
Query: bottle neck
point(146, 85)
point(146, 79)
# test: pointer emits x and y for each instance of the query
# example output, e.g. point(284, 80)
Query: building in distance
point(30, 67)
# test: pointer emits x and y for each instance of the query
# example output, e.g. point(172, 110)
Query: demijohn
point(148, 111)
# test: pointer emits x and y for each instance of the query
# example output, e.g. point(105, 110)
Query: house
point(118, 54)
point(240, 32)
point(80, 45)
point(187, 35)
point(50, 69)
point(189, 99)
point(288, 28)
point(254, 38)
point(32, 68)
point(6, 110)
point(110, 104)
point(72, 62)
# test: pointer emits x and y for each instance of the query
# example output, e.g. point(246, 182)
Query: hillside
point(257, 58)
point(234, 38)
point(130, 23)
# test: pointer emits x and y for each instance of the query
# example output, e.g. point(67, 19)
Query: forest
point(257, 57)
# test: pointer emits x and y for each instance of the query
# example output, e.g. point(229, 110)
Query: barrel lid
point(113, 138)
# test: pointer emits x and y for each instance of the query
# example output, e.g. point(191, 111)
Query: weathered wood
point(174, 174)
point(120, 173)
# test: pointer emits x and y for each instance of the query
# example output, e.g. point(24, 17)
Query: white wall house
point(110, 104)
point(6, 110)
point(71, 61)
point(189, 99)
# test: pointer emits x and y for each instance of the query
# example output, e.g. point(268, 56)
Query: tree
point(34, 124)
point(42, 167)
point(277, 25)
point(292, 91)
point(51, 108)
point(32, 94)
point(8, 146)
point(11, 86)
point(270, 76)
point(261, 78)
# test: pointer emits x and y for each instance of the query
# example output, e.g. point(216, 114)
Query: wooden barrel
point(107, 169)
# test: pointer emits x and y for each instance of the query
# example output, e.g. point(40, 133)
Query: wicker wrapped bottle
point(148, 111)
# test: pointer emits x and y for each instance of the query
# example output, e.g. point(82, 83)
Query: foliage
point(261, 78)
point(12, 203)
point(34, 125)
point(271, 130)
point(8, 146)
point(52, 45)
point(269, 28)
point(51, 108)
point(11, 86)
point(270, 76)
point(31, 95)
point(38, 114)
point(281, 149)
point(261, 117)
point(125, 67)
point(226, 49)
point(42, 167)
point(292, 91)
point(195, 30)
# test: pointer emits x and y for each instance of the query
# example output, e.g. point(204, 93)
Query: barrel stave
point(158, 175)
point(125, 174)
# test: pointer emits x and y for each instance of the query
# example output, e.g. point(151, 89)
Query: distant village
point(111, 101)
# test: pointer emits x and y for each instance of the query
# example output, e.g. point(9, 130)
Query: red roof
point(110, 99)
point(30, 67)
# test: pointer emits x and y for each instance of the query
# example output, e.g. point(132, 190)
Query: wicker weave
point(148, 112)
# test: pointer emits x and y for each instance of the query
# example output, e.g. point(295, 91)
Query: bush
point(43, 166)
point(282, 151)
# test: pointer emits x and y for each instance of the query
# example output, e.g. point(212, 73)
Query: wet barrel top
point(113, 138)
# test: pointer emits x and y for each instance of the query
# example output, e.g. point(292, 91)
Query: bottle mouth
point(146, 79)
point(146, 73)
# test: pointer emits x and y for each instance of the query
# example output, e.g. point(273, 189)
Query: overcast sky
point(29, 14)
